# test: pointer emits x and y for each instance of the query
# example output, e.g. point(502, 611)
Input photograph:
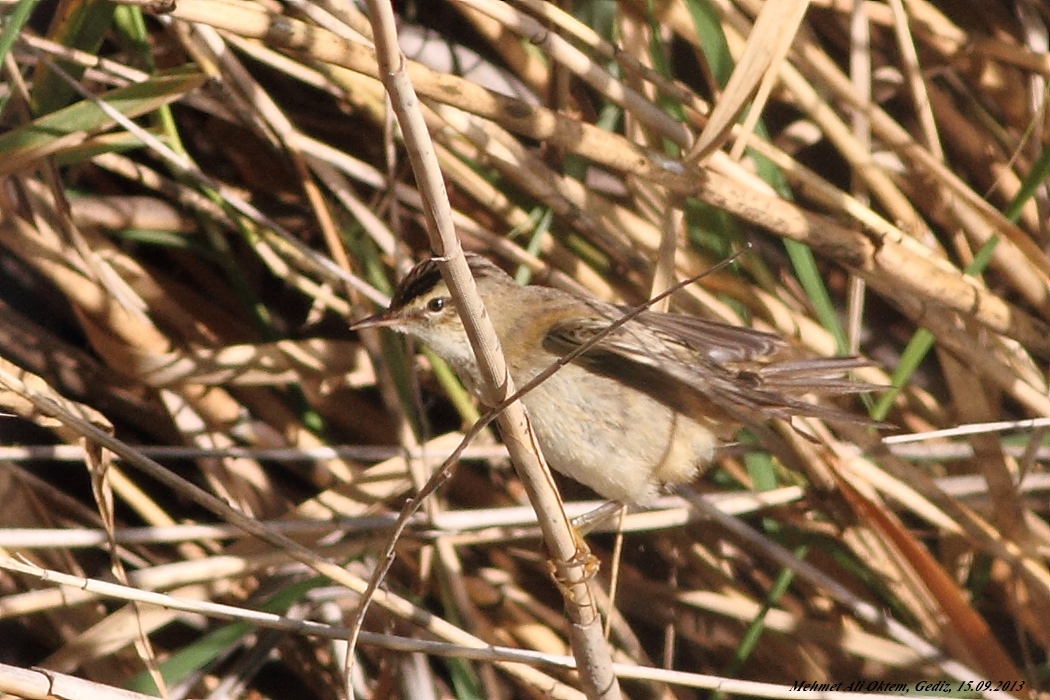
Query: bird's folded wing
point(733, 368)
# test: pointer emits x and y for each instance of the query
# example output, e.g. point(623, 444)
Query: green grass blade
point(75, 25)
point(53, 133)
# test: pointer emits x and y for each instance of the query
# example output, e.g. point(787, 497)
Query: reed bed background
point(197, 199)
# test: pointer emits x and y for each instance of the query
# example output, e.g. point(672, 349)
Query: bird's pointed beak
point(383, 319)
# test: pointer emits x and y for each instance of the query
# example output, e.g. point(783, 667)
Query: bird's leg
point(585, 523)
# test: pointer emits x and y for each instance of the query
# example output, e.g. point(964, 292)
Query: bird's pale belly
point(584, 437)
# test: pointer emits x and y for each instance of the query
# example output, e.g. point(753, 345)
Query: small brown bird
point(645, 407)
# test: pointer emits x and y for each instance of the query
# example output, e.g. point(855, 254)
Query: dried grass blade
point(767, 45)
point(962, 623)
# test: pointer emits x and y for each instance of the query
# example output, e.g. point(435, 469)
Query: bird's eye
point(437, 304)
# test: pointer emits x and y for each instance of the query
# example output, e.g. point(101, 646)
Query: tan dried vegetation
point(194, 204)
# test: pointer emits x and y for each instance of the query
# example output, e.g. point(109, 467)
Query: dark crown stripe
point(418, 282)
point(426, 275)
